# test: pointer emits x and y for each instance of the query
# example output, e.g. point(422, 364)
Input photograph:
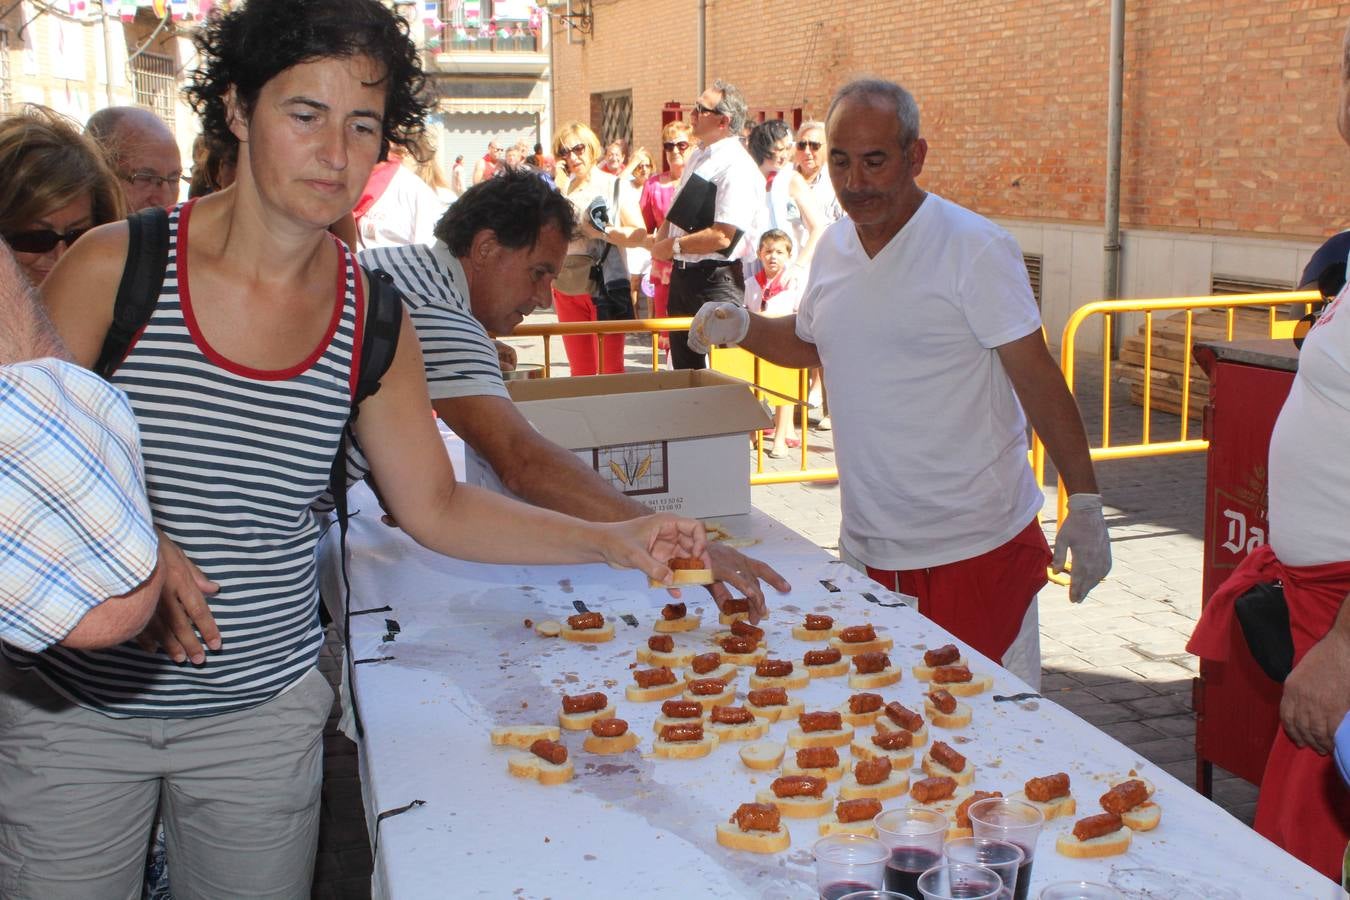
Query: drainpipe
point(107, 51)
point(1111, 246)
point(702, 46)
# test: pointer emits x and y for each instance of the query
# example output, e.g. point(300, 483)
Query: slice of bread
point(837, 737)
point(830, 824)
point(745, 659)
point(797, 680)
point(889, 675)
point(582, 721)
point(527, 765)
point(749, 731)
point(828, 670)
point(958, 719)
point(1052, 809)
point(1144, 817)
point(673, 659)
point(844, 647)
point(663, 721)
point(976, 685)
point(932, 768)
point(728, 618)
point(790, 710)
point(857, 720)
point(831, 774)
point(726, 671)
point(589, 635)
point(684, 577)
point(637, 694)
point(523, 736)
point(863, 748)
point(548, 628)
point(802, 633)
point(729, 835)
point(925, 673)
point(1113, 844)
point(685, 749)
point(894, 785)
point(798, 807)
point(607, 746)
point(675, 626)
point(710, 700)
point(762, 755)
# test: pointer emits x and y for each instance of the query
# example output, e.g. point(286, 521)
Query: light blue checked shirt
point(75, 525)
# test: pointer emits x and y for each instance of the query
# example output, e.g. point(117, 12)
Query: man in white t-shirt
point(921, 314)
point(489, 267)
point(708, 261)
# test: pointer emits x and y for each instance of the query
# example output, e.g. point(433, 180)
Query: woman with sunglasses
point(789, 204)
point(631, 183)
point(241, 382)
point(811, 159)
point(585, 184)
point(54, 186)
point(677, 143)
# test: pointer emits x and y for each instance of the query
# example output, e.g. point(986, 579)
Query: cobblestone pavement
point(1118, 659)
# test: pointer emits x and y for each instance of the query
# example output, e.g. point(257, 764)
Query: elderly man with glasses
point(708, 260)
point(812, 152)
point(143, 152)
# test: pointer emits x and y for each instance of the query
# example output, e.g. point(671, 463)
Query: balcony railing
point(472, 28)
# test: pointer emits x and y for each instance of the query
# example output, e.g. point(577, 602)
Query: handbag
point(575, 277)
point(613, 299)
point(1263, 614)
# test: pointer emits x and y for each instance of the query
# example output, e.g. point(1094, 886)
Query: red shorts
point(981, 600)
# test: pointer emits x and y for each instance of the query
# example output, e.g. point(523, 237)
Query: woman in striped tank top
point(241, 383)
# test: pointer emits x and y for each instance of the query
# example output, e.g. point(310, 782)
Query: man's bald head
point(142, 150)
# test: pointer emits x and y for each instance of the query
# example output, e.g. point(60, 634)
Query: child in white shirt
point(775, 290)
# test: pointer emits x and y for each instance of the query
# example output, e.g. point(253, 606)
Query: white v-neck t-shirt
point(930, 439)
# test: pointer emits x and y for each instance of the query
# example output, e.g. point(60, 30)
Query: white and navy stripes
point(234, 460)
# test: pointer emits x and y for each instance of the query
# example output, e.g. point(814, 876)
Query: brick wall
point(1229, 106)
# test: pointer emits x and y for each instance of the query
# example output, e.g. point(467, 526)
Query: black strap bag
point(1263, 614)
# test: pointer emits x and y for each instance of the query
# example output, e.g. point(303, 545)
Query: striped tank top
point(234, 458)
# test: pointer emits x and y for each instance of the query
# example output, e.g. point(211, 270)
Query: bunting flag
point(179, 9)
point(431, 16)
point(128, 9)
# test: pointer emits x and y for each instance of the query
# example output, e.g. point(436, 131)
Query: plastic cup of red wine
point(914, 838)
point(848, 863)
point(1078, 890)
point(1003, 857)
point(877, 895)
point(958, 881)
point(1014, 821)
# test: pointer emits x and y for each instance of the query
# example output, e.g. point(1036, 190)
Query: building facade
point(1232, 168)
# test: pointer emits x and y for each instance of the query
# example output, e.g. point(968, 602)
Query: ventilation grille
point(1033, 263)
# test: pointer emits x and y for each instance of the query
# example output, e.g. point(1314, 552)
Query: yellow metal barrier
point(654, 327)
point(1108, 309)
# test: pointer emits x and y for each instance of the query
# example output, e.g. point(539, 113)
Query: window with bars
point(156, 85)
point(612, 117)
point(6, 78)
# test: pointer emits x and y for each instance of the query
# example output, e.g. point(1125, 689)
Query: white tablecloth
point(461, 661)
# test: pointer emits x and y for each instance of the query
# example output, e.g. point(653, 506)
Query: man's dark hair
point(764, 136)
point(515, 203)
point(251, 45)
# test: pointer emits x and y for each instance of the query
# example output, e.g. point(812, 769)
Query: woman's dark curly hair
point(251, 45)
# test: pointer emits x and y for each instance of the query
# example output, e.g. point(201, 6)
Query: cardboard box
point(677, 441)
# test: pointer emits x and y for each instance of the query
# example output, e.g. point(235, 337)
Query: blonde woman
point(677, 145)
point(54, 186)
point(585, 185)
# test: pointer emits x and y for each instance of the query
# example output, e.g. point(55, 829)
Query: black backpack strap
point(138, 292)
point(379, 345)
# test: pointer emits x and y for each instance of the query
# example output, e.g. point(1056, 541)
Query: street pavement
point(1118, 659)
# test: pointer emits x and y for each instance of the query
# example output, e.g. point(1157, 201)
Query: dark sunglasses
point(676, 145)
point(700, 109)
point(814, 145)
point(43, 241)
point(574, 150)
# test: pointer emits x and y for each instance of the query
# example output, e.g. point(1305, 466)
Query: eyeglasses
point(150, 179)
point(701, 110)
point(575, 150)
point(814, 145)
point(44, 240)
point(672, 146)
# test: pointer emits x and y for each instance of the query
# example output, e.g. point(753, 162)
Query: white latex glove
point(1084, 533)
point(721, 323)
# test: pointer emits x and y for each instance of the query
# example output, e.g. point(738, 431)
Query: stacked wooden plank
point(1170, 353)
